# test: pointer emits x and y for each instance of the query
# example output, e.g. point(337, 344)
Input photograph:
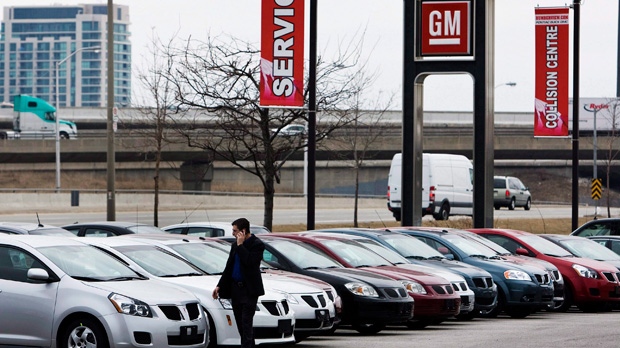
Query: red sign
point(551, 104)
point(445, 28)
point(282, 53)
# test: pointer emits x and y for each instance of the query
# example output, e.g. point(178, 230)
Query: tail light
point(507, 193)
point(431, 194)
point(388, 193)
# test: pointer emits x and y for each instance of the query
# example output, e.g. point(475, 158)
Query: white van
point(447, 185)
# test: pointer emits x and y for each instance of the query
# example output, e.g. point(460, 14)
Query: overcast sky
point(340, 20)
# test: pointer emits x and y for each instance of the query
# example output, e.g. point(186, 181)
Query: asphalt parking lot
point(543, 329)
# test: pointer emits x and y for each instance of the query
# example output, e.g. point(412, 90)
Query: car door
point(522, 192)
point(29, 303)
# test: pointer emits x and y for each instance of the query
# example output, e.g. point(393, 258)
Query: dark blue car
point(417, 252)
point(522, 289)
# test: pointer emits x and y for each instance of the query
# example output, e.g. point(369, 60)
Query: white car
point(274, 320)
point(210, 229)
point(316, 303)
point(290, 130)
point(60, 292)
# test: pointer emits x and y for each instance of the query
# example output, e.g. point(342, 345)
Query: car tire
point(418, 324)
point(497, 207)
point(368, 329)
point(444, 212)
point(467, 316)
point(563, 306)
point(511, 205)
point(212, 332)
point(518, 312)
point(82, 332)
point(528, 204)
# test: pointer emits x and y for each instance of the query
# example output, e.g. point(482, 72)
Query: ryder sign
point(282, 53)
point(551, 105)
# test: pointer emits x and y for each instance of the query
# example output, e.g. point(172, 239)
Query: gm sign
point(445, 28)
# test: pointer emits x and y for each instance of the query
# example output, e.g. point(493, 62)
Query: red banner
point(551, 106)
point(282, 53)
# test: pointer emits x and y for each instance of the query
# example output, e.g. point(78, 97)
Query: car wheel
point(64, 135)
point(518, 312)
point(418, 324)
point(511, 205)
point(528, 204)
point(466, 316)
point(83, 332)
point(301, 336)
point(497, 207)
point(396, 216)
point(444, 212)
point(563, 306)
point(212, 332)
point(368, 329)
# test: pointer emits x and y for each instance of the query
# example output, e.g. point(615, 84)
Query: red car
point(589, 284)
point(435, 299)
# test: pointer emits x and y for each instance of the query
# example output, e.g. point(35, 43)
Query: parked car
point(369, 301)
point(32, 228)
point(290, 130)
point(109, 228)
point(585, 247)
point(435, 298)
point(210, 229)
point(521, 288)
point(274, 320)
point(599, 227)
point(416, 252)
point(610, 242)
point(60, 292)
point(510, 192)
point(589, 284)
point(315, 312)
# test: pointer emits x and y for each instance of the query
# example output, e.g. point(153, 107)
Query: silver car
point(510, 192)
point(59, 292)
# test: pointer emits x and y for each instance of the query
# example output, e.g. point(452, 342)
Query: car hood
point(526, 260)
point(278, 282)
point(151, 291)
point(341, 276)
point(441, 272)
point(455, 266)
point(593, 264)
point(296, 276)
point(398, 273)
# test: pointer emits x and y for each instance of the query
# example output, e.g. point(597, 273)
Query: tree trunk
point(269, 194)
point(357, 191)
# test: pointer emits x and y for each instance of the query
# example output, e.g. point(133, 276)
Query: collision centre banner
point(551, 106)
point(282, 53)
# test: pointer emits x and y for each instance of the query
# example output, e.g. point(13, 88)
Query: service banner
point(282, 53)
point(551, 106)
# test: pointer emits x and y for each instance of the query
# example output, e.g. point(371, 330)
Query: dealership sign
point(551, 93)
point(282, 53)
point(445, 28)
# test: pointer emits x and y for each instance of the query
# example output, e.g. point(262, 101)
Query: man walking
point(241, 280)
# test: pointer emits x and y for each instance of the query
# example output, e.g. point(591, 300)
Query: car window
point(504, 242)
point(595, 229)
point(205, 231)
point(178, 230)
point(98, 232)
point(74, 230)
point(615, 246)
point(15, 263)
point(499, 183)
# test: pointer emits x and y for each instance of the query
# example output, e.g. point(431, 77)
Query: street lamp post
point(594, 109)
point(58, 64)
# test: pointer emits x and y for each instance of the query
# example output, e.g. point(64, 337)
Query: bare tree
point(221, 78)
point(155, 114)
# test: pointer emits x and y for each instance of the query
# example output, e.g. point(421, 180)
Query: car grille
point(543, 278)
point(395, 292)
point(462, 286)
point(312, 301)
point(555, 274)
point(330, 295)
point(443, 289)
point(176, 312)
point(276, 308)
point(612, 277)
point(483, 282)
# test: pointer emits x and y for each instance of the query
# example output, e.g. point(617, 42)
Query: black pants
point(244, 307)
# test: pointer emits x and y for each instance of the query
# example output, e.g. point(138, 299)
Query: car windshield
point(145, 229)
point(589, 249)
point(544, 246)
point(259, 229)
point(210, 257)
point(51, 232)
point(390, 255)
point(354, 253)
point(469, 247)
point(158, 262)
point(303, 255)
point(411, 247)
point(87, 263)
point(489, 243)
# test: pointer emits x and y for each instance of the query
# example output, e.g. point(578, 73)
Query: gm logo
point(445, 28)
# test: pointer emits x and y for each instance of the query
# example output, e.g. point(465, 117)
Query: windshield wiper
point(88, 279)
point(436, 258)
point(416, 257)
point(495, 257)
point(127, 278)
point(479, 256)
point(192, 274)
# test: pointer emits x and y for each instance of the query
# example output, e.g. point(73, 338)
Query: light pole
point(58, 63)
point(594, 109)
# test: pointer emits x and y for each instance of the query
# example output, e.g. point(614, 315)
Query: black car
point(610, 242)
point(599, 227)
point(369, 301)
point(110, 228)
point(32, 228)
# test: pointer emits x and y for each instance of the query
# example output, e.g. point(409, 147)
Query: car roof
point(27, 227)
point(108, 223)
point(39, 241)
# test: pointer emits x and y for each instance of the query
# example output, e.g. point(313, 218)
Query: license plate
point(189, 331)
point(285, 326)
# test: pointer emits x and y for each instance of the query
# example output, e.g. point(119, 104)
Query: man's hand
point(240, 238)
point(216, 292)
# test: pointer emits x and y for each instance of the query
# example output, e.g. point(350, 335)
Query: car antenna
point(190, 214)
point(380, 219)
point(39, 220)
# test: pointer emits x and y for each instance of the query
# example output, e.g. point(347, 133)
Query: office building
point(35, 39)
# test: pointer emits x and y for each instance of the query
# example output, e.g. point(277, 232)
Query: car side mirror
point(522, 251)
point(38, 274)
point(443, 250)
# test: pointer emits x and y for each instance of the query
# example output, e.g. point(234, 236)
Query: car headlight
point(130, 306)
point(226, 304)
point(361, 289)
point(290, 298)
point(413, 287)
point(585, 272)
point(516, 275)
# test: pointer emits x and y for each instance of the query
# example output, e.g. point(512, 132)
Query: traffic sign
point(446, 28)
point(597, 188)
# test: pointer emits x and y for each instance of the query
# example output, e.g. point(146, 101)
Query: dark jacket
point(250, 255)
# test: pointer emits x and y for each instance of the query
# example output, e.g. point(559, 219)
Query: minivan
point(447, 185)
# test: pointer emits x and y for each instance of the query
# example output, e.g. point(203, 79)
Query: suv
point(510, 192)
